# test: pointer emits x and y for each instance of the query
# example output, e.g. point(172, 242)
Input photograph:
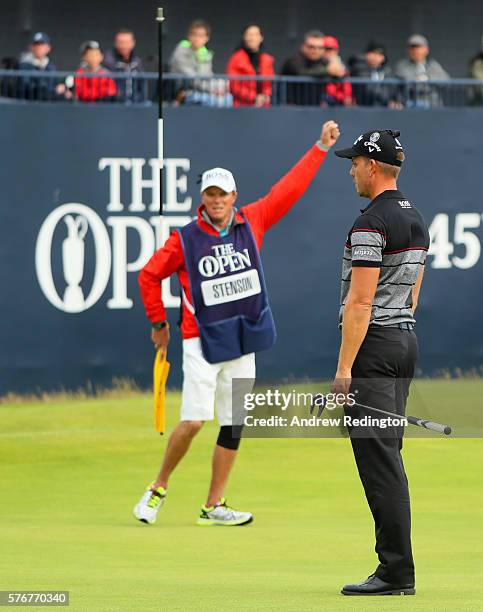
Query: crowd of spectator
point(318, 59)
point(91, 81)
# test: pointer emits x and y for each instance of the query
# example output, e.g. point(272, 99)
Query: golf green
point(71, 471)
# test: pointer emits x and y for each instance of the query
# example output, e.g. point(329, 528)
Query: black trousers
point(381, 376)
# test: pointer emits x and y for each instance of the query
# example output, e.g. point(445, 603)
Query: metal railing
point(222, 91)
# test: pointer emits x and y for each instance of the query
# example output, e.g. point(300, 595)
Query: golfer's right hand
point(330, 134)
point(160, 338)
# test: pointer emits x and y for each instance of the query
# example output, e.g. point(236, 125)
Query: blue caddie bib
point(228, 292)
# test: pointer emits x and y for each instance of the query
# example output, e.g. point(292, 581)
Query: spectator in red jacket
point(337, 92)
point(93, 88)
point(250, 60)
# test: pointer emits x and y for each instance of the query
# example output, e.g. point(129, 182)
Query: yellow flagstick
point(160, 377)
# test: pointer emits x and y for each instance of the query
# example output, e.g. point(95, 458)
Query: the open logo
point(78, 219)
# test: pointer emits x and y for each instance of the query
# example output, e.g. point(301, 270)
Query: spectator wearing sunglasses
point(309, 61)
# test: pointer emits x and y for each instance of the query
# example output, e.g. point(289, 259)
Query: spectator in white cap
point(420, 67)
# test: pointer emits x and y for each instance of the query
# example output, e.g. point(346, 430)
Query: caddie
point(226, 316)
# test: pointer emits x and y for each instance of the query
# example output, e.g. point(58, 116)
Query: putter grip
point(444, 429)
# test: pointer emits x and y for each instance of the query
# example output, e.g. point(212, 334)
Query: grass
point(72, 469)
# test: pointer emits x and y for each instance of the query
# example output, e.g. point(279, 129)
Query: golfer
point(382, 272)
point(226, 317)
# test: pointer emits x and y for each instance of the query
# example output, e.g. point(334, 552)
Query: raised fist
point(330, 133)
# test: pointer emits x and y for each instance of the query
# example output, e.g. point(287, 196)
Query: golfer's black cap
point(381, 145)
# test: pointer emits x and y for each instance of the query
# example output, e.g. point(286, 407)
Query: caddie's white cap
point(218, 177)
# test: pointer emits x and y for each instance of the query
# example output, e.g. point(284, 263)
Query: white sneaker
point(222, 514)
point(146, 510)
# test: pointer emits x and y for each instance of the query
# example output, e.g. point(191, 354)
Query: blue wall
point(51, 156)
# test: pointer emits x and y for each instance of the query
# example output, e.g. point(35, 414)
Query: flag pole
point(160, 19)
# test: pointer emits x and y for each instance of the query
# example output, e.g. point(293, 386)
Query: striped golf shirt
point(390, 234)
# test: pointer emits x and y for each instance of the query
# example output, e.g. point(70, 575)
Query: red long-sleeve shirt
point(245, 92)
point(261, 215)
point(341, 91)
point(93, 88)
